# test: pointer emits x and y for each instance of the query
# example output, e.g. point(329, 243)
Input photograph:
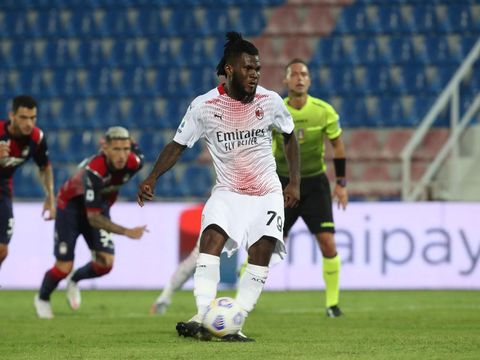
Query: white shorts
point(245, 219)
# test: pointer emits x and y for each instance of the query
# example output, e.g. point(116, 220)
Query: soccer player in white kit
point(246, 208)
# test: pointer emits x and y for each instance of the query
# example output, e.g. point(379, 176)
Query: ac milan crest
point(259, 113)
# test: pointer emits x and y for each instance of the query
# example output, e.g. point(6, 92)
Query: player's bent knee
point(64, 266)
point(101, 269)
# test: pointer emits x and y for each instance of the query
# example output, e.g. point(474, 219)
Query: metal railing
point(451, 93)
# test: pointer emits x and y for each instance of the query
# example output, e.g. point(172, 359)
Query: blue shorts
point(6, 219)
point(72, 222)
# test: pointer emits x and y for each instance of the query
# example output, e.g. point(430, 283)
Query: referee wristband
point(340, 167)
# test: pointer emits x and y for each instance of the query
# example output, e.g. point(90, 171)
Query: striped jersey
point(239, 138)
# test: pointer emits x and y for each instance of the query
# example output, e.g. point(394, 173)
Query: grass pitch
point(286, 325)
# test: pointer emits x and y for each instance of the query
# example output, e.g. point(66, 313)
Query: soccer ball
point(223, 317)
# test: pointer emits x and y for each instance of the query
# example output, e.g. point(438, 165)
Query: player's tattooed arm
point(100, 221)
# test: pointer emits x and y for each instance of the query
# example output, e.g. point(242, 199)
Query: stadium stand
point(95, 63)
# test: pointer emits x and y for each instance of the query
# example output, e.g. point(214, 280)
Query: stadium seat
point(26, 183)
point(281, 16)
point(377, 80)
point(353, 113)
point(168, 186)
point(157, 52)
point(197, 180)
point(60, 175)
point(438, 51)
point(251, 21)
point(460, 19)
point(390, 112)
point(400, 50)
point(191, 52)
point(353, 20)
point(364, 144)
point(365, 51)
point(395, 142)
point(296, 47)
point(425, 20)
point(431, 144)
point(123, 53)
point(151, 143)
point(319, 21)
point(329, 51)
point(413, 80)
point(390, 20)
point(217, 21)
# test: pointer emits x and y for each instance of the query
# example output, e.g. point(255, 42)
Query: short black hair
point(23, 101)
point(234, 47)
point(295, 61)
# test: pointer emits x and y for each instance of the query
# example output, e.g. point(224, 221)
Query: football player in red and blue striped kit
point(83, 208)
point(20, 140)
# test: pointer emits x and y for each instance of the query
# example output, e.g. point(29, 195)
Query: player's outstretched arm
point(100, 221)
point(46, 177)
point(167, 158)
point(291, 193)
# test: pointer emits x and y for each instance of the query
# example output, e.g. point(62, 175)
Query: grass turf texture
point(285, 325)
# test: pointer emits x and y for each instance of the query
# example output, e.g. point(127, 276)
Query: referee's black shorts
point(315, 207)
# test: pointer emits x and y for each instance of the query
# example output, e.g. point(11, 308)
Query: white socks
point(251, 285)
point(207, 277)
point(183, 272)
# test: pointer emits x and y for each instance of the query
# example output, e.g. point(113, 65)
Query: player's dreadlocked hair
point(234, 46)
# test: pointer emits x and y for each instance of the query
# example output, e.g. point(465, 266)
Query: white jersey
point(239, 138)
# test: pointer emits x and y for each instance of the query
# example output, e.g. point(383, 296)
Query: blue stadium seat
point(251, 21)
point(413, 80)
point(151, 143)
point(180, 23)
point(329, 51)
point(460, 20)
point(365, 51)
point(26, 183)
point(401, 51)
point(342, 81)
point(168, 185)
point(390, 20)
point(353, 113)
point(217, 22)
point(15, 24)
point(353, 19)
point(46, 24)
point(390, 113)
point(81, 146)
point(377, 80)
point(439, 52)
point(191, 52)
point(149, 21)
point(56, 150)
point(60, 175)
point(133, 82)
point(425, 20)
point(79, 23)
point(98, 81)
point(200, 80)
point(89, 53)
point(115, 23)
point(157, 52)
point(197, 180)
point(123, 53)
